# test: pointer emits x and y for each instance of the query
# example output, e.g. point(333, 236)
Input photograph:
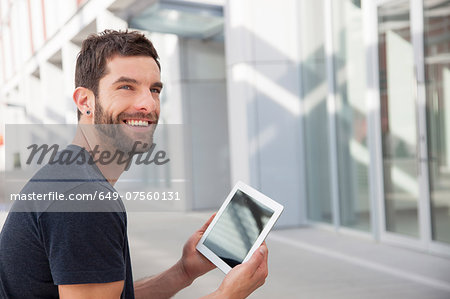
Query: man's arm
point(164, 285)
point(191, 265)
point(108, 290)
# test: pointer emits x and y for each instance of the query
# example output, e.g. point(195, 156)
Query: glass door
point(413, 67)
point(399, 122)
point(437, 86)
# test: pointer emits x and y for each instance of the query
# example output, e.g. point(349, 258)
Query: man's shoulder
point(69, 187)
point(63, 176)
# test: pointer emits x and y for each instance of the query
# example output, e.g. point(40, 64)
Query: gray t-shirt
point(53, 243)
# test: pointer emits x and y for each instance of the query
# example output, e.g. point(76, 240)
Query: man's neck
point(114, 165)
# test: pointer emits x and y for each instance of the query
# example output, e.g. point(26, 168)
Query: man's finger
point(257, 258)
point(205, 226)
point(263, 267)
point(267, 251)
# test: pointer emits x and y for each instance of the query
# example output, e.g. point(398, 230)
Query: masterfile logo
point(103, 157)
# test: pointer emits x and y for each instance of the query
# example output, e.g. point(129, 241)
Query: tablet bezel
point(256, 195)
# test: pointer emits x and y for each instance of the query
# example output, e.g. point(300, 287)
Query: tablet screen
point(237, 229)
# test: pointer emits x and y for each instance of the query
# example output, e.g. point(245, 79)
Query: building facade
point(338, 109)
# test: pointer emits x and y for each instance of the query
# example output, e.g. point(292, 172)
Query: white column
point(264, 101)
point(69, 52)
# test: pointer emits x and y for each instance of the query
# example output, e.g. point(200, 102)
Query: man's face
point(128, 98)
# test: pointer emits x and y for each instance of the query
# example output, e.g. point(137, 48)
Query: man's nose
point(146, 102)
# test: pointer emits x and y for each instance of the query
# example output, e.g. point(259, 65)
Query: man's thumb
point(257, 257)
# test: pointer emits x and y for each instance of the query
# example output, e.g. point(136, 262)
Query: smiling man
point(56, 251)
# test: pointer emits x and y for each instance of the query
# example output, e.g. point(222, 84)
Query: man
point(57, 250)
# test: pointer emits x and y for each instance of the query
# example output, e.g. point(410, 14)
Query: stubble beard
point(112, 133)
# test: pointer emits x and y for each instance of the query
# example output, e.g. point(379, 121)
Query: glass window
point(351, 121)
point(314, 96)
point(398, 118)
point(437, 80)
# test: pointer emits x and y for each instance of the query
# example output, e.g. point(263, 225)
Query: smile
point(136, 123)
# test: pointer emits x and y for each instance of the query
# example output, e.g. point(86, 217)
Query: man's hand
point(240, 282)
point(245, 278)
point(193, 263)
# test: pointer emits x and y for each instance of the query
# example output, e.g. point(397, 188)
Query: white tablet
point(239, 227)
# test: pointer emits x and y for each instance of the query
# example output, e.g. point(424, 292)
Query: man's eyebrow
point(131, 80)
point(158, 84)
point(126, 80)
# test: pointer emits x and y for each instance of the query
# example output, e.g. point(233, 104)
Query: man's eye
point(126, 87)
point(155, 90)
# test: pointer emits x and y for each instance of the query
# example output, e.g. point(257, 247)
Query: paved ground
point(303, 263)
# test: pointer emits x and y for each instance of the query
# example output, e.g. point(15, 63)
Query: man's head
point(117, 80)
point(97, 49)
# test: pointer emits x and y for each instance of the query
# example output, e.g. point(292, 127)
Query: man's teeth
point(137, 123)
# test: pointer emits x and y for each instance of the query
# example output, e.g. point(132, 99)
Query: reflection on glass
point(314, 96)
point(353, 154)
point(237, 229)
point(398, 118)
point(437, 78)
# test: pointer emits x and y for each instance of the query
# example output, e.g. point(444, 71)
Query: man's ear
point(85, 100)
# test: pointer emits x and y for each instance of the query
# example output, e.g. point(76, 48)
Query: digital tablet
point(239, 227)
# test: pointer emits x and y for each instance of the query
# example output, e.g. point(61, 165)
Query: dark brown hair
point(97, 49)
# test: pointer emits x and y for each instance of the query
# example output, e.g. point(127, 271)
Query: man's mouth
point(137, 122)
